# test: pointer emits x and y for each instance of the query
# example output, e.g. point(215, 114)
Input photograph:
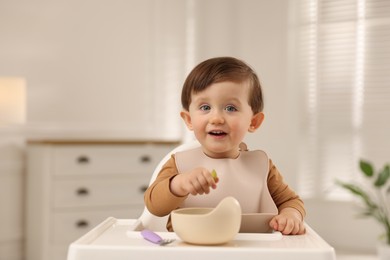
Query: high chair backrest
point(148, 220)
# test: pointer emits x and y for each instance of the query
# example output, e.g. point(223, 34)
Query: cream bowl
point(208, 226)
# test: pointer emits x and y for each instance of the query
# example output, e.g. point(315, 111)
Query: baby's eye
point(230, 108)
point(204, 107)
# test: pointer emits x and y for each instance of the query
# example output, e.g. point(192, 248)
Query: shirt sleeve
point(159, 199)
point(281, 193)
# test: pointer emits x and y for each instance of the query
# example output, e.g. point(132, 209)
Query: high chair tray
point(116, 239)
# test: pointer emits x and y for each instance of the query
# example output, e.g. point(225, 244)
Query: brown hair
point(221, 69)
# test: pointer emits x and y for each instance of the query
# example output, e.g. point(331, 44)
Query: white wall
point(341, 224)
point(94, 65)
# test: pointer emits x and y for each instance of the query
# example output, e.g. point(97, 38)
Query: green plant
point(375, 197)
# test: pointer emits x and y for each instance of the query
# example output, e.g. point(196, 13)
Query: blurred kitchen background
point(104, 77)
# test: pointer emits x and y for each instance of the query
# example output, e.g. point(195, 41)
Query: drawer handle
point(145, 159)
point(82, 224)
point(82, 192)
point(83, 159)
point(143, 188)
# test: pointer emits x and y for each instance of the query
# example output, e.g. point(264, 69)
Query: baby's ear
point(256, 121)
point(185, 115)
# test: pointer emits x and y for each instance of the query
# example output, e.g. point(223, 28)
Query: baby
point(222, 101)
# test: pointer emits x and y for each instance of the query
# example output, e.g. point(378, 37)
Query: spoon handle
point(151, 236)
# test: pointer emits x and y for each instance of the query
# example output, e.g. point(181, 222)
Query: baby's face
point(220, 116)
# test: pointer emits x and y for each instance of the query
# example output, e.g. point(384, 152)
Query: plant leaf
point(359, 192)
point(383, 177)
point(366, 168)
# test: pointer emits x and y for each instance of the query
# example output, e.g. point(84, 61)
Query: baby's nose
point(217, 118)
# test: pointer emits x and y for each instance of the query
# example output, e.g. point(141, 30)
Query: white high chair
point(147, 220)
point(117, 239)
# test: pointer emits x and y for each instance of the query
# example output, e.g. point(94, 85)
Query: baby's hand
point(197, 181)
point(289, 222)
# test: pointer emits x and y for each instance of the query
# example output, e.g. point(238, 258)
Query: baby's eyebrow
point(234, 101)
point(199, 100)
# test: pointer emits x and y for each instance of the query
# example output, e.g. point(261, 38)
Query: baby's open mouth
point(217, 133)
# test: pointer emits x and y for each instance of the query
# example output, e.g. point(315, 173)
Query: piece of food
point(214, 174)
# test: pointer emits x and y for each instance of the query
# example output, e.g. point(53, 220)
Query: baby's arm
point(196, 181)
point(170, 189)
point(290, 206)
point(289, 222)
point(158, 198)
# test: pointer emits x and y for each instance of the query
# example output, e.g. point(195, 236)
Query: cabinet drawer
point(98, 191)
point(69, 226)
point(106, 159)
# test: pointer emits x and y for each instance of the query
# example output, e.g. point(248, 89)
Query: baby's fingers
point(302, 229)
point(287, 226)
point(279, 223)
point(204, 186)
point(196, 188)
point(273, 223)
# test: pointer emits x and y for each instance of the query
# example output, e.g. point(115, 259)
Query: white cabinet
point(73, 186)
